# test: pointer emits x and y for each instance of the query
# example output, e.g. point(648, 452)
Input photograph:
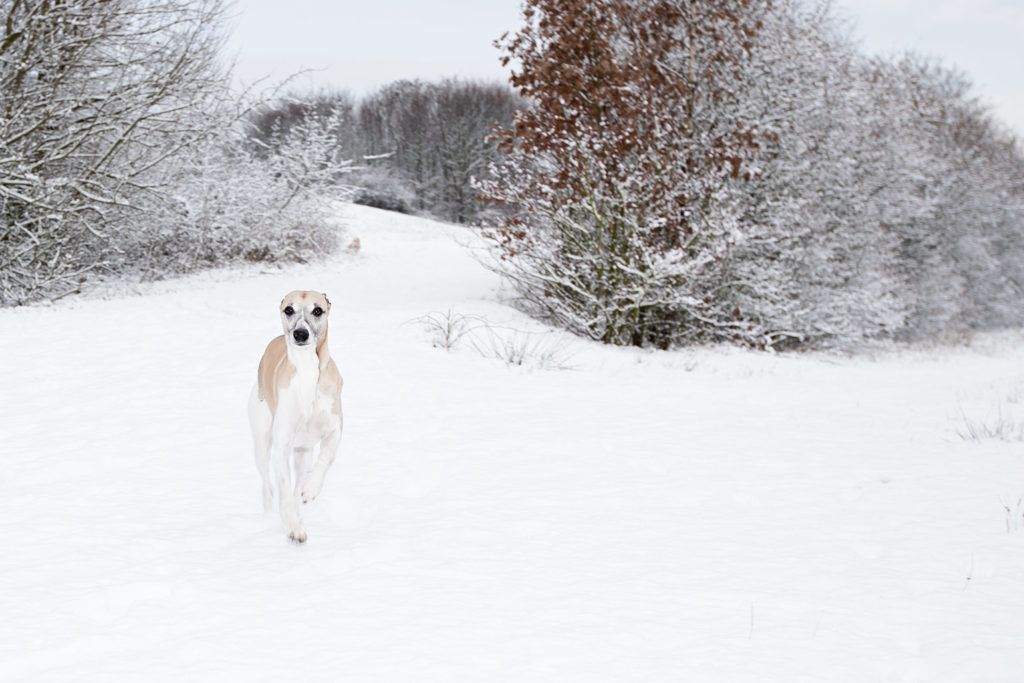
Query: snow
point(706, 514)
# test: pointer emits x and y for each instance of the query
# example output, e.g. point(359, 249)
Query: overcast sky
point(357, 45)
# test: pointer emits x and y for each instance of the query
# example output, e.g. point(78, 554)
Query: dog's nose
point(301, 335)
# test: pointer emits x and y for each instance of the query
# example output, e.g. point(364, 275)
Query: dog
point(295, 407)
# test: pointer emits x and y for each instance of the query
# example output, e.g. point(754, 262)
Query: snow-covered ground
point(709, 514)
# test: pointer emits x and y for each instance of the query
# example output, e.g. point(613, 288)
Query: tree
point(616, 172)
point(885, 203)
point(419, 144)
point(961, 248)
point(98, 96)
point(433, 139)
point(739, 171)
point(819, 259)
point(125, 155)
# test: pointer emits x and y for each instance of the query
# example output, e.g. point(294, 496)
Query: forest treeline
point(736, 170)
point(739, 171)
point(415, 146)
point(656, 172)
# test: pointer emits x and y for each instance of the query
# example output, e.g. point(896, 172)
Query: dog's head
point(304, 317)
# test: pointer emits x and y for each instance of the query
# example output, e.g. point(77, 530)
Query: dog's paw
point(309, 493)
point(297, 537)
point(312, 489)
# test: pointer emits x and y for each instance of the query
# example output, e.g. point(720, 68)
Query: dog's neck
point(309, 358)
point(307, 373)
point(303, 358)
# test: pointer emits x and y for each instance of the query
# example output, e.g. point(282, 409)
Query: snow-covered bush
point(379, 185)
point(233, 206)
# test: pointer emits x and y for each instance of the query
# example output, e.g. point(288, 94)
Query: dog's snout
point(301, 335)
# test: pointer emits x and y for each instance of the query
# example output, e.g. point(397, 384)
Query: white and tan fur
point(295, 407)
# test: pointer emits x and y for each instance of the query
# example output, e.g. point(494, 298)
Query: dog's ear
point(326, 299)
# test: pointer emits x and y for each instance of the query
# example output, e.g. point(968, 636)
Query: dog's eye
point(317, 311)
point(289, 311)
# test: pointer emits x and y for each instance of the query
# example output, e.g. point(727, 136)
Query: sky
point(357, 45)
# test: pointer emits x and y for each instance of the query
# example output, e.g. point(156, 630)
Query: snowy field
point(593, 514)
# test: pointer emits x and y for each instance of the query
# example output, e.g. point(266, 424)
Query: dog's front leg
point(302, 456)
point(280, 454)
point(315, 483)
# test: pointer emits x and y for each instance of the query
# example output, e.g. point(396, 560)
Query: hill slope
point(696, 515)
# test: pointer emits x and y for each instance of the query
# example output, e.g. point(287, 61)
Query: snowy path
point(699, 515)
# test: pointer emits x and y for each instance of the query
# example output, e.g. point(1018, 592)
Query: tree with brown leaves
point(614, 174)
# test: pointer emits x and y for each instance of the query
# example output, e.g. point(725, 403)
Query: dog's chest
point(314, 425)
point(312, 411)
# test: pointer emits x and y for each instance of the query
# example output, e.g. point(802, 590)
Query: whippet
point(295, 406)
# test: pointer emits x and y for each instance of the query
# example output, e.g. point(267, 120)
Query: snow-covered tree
point(617, 172)
point(123, 154)
point(740, 171)
point(432, 138)
point(418, 144)
point(883, 193)
point(95, 97)
point(963, 245)
point(818, 261)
